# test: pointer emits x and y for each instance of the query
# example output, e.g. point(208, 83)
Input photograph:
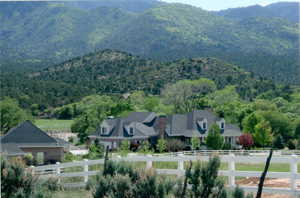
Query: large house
point(140, 126)
point(136, 127)
point(27, 138)
point(197, 124)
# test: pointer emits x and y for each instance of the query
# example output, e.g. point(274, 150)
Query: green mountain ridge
point(54, 32)
point(115, 72)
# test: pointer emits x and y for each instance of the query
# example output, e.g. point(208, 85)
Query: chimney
point(162, 122)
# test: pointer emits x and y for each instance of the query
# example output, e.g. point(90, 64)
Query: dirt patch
point(269, 182)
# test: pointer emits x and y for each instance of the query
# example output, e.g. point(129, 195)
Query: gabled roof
point(135, 119)
point(186, 124)
point(27, 134)
point(11, 149)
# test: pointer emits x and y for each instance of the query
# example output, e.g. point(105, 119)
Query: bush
point(291, 144)
point(145, 147)
point(52, 184)
point(19, 183)
point(162, 145)
point(174, 145)
point(29, 160)
point(120, 180)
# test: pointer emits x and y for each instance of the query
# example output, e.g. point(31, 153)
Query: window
point(40, 158)
point(204, 125)
point(131, 130)
point(103, 130)
point(222, 125)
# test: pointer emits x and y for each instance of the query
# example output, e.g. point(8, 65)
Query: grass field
point(54, 125)
point(75, 193)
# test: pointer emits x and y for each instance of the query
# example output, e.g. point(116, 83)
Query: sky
point(224, 4)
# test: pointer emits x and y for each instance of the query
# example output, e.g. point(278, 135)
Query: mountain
point(128, 5)
point(115, 72)
point(33, 37)
point(284, 10)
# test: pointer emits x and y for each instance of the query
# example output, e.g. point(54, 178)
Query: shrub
point(278, 143)
point(162, 145)
point(174, 145)
point(124, 147)
point(195, 143)
point(246, 140)
point(214, 138)
point(145, 147)
point(291, 144)
point(29, 160)
point(17, 182)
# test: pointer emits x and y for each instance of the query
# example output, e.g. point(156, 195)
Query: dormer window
point(204, 126)
point(131, 131)
point(103, 130)
point(222, 125)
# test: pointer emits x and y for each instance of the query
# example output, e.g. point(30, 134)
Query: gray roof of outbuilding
point(11, 149)
point(27, 134)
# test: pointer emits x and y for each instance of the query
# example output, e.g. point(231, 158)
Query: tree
point(278, 143)
point(94, 110)
point(11, 114)
point(184, 93)
point(246, 140)
point(162, 145)
point(214, 139)
point(263, 134)
point(195, 143)
point(297, 129)
point(250, 122)
point(204, 180)
point(124, 147)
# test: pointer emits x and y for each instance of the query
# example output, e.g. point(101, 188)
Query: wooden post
point(180, 167)
point(231, 166)
point(58, 171)
point(86, 170)
point(294, 172)
point(149, 162)
point(32, 170)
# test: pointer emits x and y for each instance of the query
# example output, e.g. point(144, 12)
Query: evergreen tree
point(214, 139)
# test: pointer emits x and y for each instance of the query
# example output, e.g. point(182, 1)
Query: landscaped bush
point(120, 180)
point(174, 145)
point(17, 182)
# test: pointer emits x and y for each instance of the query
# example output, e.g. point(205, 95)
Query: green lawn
point(73, 193)
point(54, 125)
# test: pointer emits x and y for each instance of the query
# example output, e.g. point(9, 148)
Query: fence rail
point(57, 170)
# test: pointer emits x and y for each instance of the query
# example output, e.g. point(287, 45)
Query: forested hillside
point(35, 35)
point(285, 10)
point(115, 72)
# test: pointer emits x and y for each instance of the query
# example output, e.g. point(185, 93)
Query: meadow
point(54, 125)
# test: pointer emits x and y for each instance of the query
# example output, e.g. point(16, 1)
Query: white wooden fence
point(231, 173)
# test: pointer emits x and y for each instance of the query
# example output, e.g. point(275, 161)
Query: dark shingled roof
point(186, 124)
point(27, 134)
point(138, 119)
point(11, 149)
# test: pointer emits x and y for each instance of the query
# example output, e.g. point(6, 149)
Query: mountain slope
point(36, 37)
point(115, 72)
point(284, 10)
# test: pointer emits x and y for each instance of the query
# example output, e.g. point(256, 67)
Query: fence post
point(86, 170)
point(32, 170)
point(58, 171)
point(149, 162)
point(231, 166)
point(180, 166)
point(294, 172)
